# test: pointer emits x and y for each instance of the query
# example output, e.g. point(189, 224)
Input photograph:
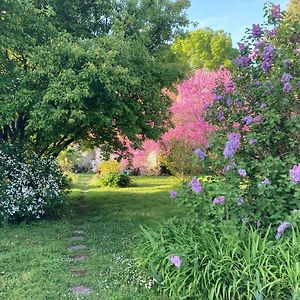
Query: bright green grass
point(34, 259)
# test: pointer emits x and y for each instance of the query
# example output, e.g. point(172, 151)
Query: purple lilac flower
point(268, 56)
point(258, 119)
point(175, 260)
point(200, 154)
point(229, 167)
point(218, 97)
point(260, 44)
point(232, 145)
point(263, 106)
point(256, 31)
point(271, 33)
point(242, 61)
point(195, 185)
point(287, 87)
point(287, 63)
point(241, 46)
point(173, 194)
point(286, 77)
point(248, 119)
point(252, 141)
point(240, 201)
point(219, 200)
point(221, 115)
point(229, 102)
point(276, 12)
point(282, 228)
point(242, 172)
point(267, 181)
point(295, 174)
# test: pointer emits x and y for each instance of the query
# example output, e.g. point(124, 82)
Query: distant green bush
point(115, 179)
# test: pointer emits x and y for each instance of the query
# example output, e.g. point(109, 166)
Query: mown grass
point(35, 260)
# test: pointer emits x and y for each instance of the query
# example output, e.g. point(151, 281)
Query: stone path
point(77, 256)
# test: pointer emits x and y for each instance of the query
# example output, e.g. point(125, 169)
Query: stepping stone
point(77, 247)
point(75, 238)
point(78, 231)
point(79, 290)
point(78, 273)
point(78, 257)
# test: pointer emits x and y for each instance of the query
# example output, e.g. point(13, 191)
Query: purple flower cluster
point(219, 200)
point(195, 185)
point(218, 97)
point(173, 194)
point(242, 172)
point(271, 33)
point(282, 228)
point(295, 174)
point(200, 154)
point(221, 115)
point(175, 260)
point(268, 56)
point(287, 63)
point(232, 145)
point(265, 182)
point(242, 61)
point(286, 77)
point(276, 12)
point(287, 87)
point(241, 46)
point(260, 44)
point(263, 106)
point(248, 119)
point(256, 30)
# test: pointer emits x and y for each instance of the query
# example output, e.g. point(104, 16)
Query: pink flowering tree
point(255, 153)
point(193, 97)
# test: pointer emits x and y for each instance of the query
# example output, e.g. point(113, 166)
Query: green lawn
point(35, 260)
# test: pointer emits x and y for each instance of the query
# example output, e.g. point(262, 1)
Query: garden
point(143, 159)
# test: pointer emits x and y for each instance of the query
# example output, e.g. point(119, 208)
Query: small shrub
point(108, 167)
point(115, 179)
point(30, 187)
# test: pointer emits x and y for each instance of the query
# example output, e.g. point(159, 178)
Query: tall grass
point(221, 266)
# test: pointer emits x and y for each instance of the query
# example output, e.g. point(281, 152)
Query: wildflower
point(195, 185)
point(295, 174)
point(252, 141)
point(287, 63)
point(260, 44)
point(219, 200)
point(232, 145)
point(200, 154)
point(282, 228)
point(175, 260)
point(173, 194)
point(229, 102)
point(258, 119)
point(286, 77)
point(235, 125)
point(258, 223)
point(267, 181)
point(221, 115)
point(242, 172)
point(287, 87)
point(218, 97)
point(256, 30)
point(263, 106)
point(276, 12)
point(246, 128)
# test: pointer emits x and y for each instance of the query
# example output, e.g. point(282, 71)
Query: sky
point(233, 16)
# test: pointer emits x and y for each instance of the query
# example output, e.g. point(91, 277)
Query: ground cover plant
point(35, 261)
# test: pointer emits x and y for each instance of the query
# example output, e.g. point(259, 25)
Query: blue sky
point(233, 16)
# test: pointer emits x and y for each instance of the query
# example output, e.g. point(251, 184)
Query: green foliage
point(110, 166)
point(69, 81)
point(115, 179)
point(222, 265)
point(205, 48)
point(180, 160)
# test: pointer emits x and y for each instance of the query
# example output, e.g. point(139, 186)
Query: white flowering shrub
point(30, 187)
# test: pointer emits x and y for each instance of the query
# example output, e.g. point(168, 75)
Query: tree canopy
point(86, 71)
point(205, 48)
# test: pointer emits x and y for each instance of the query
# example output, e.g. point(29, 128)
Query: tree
point(294, 7)
point(205, 48)
point(86, 71)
